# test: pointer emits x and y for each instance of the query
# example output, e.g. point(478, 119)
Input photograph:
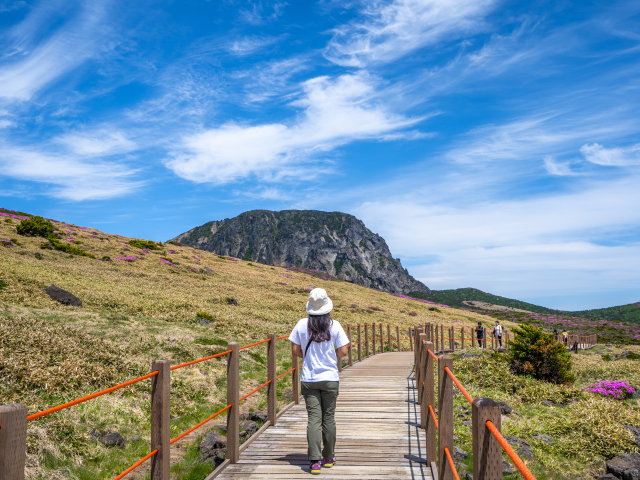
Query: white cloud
point(33, 64)
point(557, 168)
point(391, 29)
point(97, 143)
point(613, 157)
point(70, 178)
point(336, 111)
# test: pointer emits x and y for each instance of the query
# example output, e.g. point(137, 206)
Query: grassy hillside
point(457, 297)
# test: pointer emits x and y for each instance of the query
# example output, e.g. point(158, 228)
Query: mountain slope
point(458, 297)
point(332, 242)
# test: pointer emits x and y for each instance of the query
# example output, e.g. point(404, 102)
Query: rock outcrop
point(332, 242)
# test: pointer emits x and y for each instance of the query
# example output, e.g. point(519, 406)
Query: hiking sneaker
point(329, 464)
point(315, 467)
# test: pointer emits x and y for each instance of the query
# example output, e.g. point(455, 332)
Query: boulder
point(625, 466)
point(113, 439)
point(507, 468)
point(505, 408)
point(260, 416)
point(607, 476)
point(524, 448)
point(544, 438)
point(248, 427)
point(459, 455)
point(62, 296)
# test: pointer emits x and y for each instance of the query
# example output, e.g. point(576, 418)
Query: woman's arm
point(296, 350)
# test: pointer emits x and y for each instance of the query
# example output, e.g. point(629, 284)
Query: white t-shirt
point(320, 363)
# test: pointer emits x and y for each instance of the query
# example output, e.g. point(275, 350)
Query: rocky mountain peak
point(332, 242)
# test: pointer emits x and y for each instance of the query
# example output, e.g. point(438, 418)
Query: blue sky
point(493, 144)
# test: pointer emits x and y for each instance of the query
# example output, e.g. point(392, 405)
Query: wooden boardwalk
point(378, 430)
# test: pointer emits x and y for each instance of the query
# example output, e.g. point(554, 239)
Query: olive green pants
point(320, 398)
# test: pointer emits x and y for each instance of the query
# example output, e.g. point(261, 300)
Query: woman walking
point(320, 341)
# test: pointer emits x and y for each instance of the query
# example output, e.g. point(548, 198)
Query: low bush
point(36, 226)
point(142, 244)
point(536, 353)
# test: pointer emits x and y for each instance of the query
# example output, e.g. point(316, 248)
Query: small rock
point(459, 455)
point(544, 438)
point(249, 427)
point(625, 466)
point(608, 476)
point(505, 408)
point(204, 321)
point(524, 448)
point(62, 296)
point(547, 403)
point(113, 439)
point(507, 468)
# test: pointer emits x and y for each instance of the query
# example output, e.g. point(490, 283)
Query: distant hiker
point(480, 334)
point(324, 343)
point(497, 332)
point(565, 337)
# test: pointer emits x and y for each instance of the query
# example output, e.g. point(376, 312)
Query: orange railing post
point(160, 420)
point(350, 348)
point(233, 399)
point(429, 400)
point(272, 363)
point(487, 452)
point(445, 417)
point(13, 441)
point(366, 340)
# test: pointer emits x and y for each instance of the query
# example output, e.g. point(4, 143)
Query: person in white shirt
point(320, 341)
point(497, 332)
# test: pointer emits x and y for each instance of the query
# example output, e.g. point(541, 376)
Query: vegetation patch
point(36, 226)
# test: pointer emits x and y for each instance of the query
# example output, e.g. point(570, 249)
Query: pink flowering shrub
point(611, 389)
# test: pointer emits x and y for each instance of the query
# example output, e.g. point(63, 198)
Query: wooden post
point(296, 379)
point(423, 370)
point(411, 339)
point(389, 337)
point(429, 398)
point(13, 441)
point(366, 340)
point(161, 419)
point(381, 340)
point(350, 349)
point(373, 337)
point(487, 452)
point(398, 336)
point(233, 399)
point(445, 417)
point(359, 343)
point(272, 359)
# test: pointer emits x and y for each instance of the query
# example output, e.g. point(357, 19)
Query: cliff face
point(332, 242)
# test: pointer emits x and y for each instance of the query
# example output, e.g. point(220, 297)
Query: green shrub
point(142, 244)
point(37, 226)
point(536, 353)
point(63, 247)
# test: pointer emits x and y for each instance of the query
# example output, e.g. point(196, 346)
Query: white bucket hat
point(319, 303)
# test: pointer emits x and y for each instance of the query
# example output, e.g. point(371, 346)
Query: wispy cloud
point(387, 30)
point(611, 157)
point(335, 112)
